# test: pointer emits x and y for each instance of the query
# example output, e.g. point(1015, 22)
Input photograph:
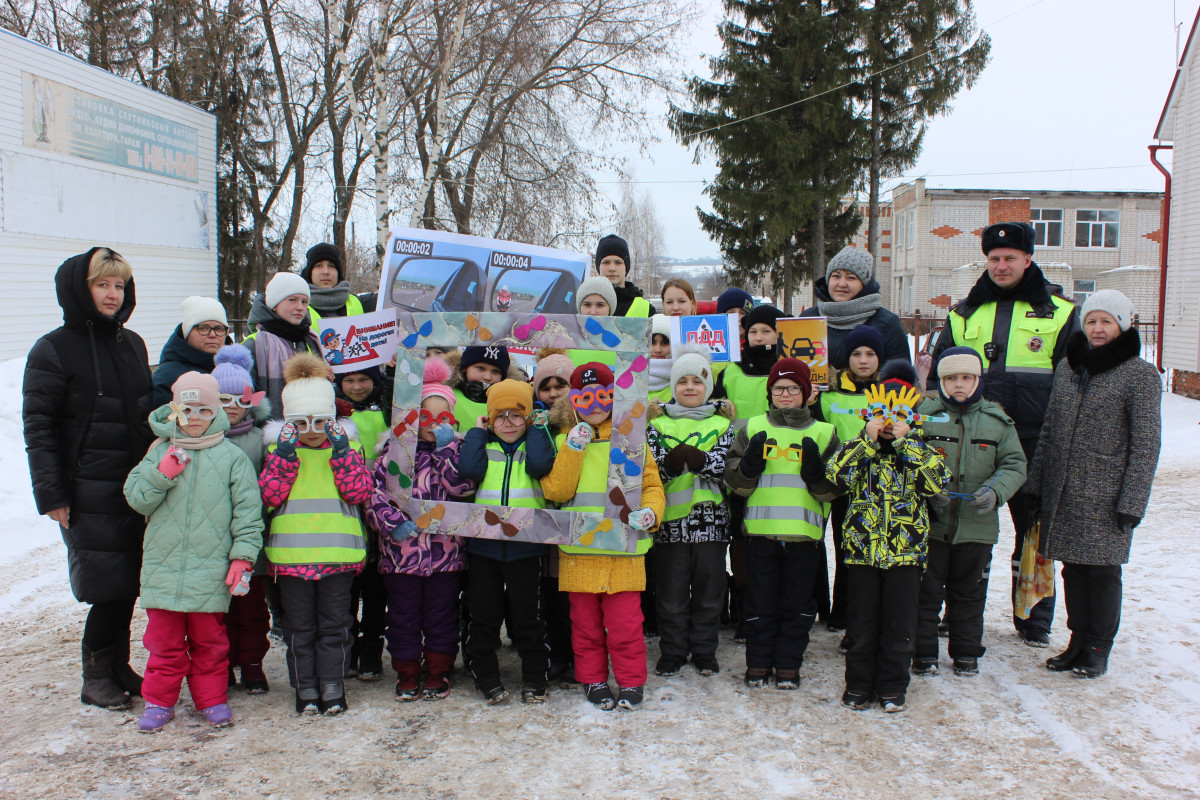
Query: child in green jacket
point(983, 453)
point(203, 532)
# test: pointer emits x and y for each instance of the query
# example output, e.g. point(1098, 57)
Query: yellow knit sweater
point(601, 574)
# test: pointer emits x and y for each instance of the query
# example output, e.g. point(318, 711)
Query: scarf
point(757, 360)
point(266, 319)
point(246, 423)
point(676, 411)
point(331, 299)
point(191, 442)
point(847, 314)
point(660, 373)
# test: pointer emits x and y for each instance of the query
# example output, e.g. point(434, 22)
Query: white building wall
point(105, 205)
point(1181, 325)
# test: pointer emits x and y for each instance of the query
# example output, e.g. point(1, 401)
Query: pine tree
point(789, 145)
point(918, 54)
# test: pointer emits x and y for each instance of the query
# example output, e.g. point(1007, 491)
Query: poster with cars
point(438, 271)
point(363, 340)
point(806, 338)
point(719, 333)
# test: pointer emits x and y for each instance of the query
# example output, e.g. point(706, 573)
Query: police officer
point(1019, 324)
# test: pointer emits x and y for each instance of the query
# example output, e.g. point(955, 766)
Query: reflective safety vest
point(506, 483)
point(781, 504)
point(748, 393)
point(662, 395)
point(315, 525)
point(640, 307)
point(688, 491)
point(467, 411)
point(581, 357)
point(847, 425)
point(1031, 338)
point(353, 308)
point(592, 493)
point(371, 426)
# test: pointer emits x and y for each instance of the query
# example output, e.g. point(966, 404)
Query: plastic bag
point(1036, 577)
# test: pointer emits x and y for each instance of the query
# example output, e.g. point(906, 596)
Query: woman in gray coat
point(1093, 470)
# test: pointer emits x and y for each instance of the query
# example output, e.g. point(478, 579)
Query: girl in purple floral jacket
point(422, 569)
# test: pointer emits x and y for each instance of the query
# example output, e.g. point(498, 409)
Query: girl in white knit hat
point(281, 328)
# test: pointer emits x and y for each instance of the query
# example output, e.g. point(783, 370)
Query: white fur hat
point(195, 310)
point(1111, 302)
point(283, 286)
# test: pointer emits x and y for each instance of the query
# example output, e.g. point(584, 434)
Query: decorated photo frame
point(628, 338)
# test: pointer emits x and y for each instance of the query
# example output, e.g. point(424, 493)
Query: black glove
point(676, 459)
point(1127, 523)
point(812, 466)
point(753, 462)
point(695, 458)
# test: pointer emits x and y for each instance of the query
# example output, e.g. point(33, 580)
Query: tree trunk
point(789, 278)
point(873, 195)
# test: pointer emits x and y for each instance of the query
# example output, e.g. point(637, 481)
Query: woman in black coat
point(87, 396)
point(848, 296)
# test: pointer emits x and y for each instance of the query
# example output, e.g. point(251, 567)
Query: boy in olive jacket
point(983, 452)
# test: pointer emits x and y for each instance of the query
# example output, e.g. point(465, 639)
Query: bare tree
point(639, 225)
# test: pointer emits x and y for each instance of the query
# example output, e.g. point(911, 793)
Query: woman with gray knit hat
point(848, 296)
point(1093, 470)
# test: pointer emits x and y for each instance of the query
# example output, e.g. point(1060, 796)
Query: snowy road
point(1014, 730)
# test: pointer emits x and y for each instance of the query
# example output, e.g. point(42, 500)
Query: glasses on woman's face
point(510, 419)
point(211, 330)
point(231, 400)
point(780, 391)
point(315, 424)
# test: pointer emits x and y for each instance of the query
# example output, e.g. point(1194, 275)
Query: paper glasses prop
point(891, 406)
point(628, 337)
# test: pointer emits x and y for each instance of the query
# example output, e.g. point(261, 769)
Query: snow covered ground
point(1015, 730)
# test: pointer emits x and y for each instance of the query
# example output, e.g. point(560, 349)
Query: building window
point(900, 231)
point(1083, 290)
point(912, 229)
point(1047, 223)
point(1097, 228)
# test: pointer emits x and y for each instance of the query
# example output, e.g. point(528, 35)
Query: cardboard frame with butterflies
point(628, 338)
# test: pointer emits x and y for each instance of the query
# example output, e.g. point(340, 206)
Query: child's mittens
point(676, 459)
point(443, 435)
point(985, 500)
point(233, 579)
point(579, 437)
point(173, 461)
point(812, 466)
point(753, 460)
point(695, 459)
point(337, 438)
point(285, 446)
point(642, 520)
point(939, 501)
point(404, 531)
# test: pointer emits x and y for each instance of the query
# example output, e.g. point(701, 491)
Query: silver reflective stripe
point(679, 498)
point(1031, 370)
point(496, 455)
point(786, 513)
point(496, 495)
point(781, 480)
point(316, 540)
point(488, 496)
point(322, 505)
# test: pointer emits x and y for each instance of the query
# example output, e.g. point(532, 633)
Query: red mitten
point(173, 462)
point(238, 569)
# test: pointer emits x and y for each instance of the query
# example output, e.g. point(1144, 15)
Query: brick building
point(1086, 241)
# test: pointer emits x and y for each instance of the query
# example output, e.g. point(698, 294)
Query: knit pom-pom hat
point(232, 365)
point(552, 362)
point(437, 372)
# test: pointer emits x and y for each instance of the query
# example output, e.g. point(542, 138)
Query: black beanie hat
point(323, 252)
point(1018, 235)
point(613, 245)
point(496, 355)
point(764, 314)
point(863, 336)
point(898, 371)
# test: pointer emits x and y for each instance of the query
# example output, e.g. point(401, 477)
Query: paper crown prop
point(891, 405)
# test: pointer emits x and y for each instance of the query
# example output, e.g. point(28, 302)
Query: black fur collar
point(1033, 289)
point(1094, 360)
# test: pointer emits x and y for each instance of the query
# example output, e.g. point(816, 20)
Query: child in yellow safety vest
point(506, 459)
point(689, 438)
point(778, 463)
point(313, 483)
point(863, 351)
point(605, 586)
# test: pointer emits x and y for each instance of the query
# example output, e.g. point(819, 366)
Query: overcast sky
point(1069, 100)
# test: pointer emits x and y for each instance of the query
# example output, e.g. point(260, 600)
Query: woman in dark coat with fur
point(87, 396)
point(1093, 471)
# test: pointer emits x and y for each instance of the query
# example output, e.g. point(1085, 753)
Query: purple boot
point(219, 716)
point(155, 718)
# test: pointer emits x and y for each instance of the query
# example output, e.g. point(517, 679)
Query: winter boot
point(155, 718)
point(600, 695)
point(706, 665)
point(308, 702)
point(757, 677)
point(924, 666)
point(100, 686)
point(1093, 663)
point(254, 680)
point(129, 680)
point(370, 659)
point(333, 698)
point(629, 698)
point(533, 693)
point(669, 665)
point(1067, 659)
point(966, 666)
point(408, 684)
point(856, 700)
point(787, 679)
point(437, 684)
point(892, 703)
point(219, 716)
